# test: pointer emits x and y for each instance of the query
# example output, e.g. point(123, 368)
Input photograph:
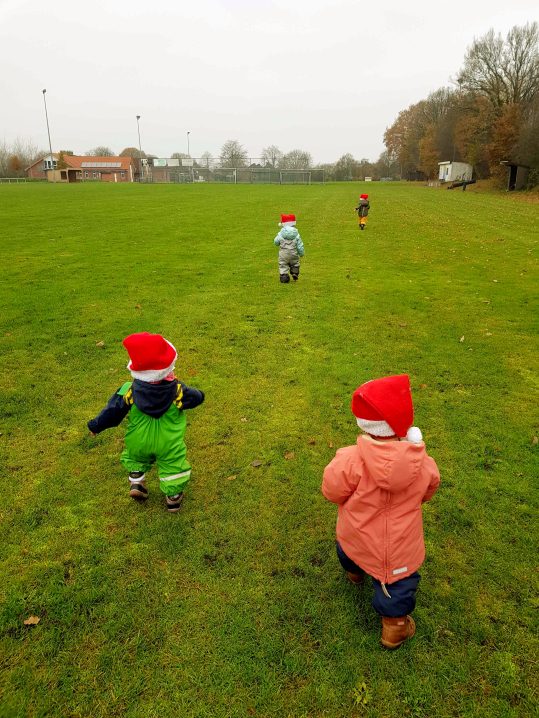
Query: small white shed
point(454, 171)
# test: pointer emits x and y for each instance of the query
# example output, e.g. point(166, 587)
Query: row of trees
point(17, 156)
point(233, 154)
point(490, 115)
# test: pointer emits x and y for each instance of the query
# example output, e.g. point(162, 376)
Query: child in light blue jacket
point(290, 248)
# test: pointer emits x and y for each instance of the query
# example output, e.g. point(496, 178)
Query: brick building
point(80, 169)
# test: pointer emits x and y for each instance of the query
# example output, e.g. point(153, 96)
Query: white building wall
point(454, 171)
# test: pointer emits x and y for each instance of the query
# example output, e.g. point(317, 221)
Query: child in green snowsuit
point(155, 402)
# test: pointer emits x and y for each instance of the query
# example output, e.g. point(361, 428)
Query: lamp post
point(139, 146)
point(49, 134)
point(188, 153)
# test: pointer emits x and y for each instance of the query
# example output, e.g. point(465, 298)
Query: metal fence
point(187, 170)
point(9, 180)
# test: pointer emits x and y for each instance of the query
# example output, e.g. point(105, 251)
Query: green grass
point(237, 605)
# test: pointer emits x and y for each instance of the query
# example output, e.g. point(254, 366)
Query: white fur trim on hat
point(152, 374)
point(414, 435)
point(375, 428)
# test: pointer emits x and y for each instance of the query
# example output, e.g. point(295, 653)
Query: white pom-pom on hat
point(414, 435)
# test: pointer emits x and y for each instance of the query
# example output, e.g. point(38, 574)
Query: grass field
point(237, 606)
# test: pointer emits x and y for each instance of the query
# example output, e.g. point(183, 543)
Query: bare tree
point(507, 72)
point(4, 159)
point(329, 169)
point(296, 160)
point(16, 157)
point(233, 154)
point(100, 151)
point(272, 155)
point(206, 159)
point(346, 167)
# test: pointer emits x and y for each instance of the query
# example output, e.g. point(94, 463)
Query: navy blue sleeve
point(191, 397)
point(111, 415)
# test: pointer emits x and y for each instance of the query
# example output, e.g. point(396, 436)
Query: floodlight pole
point(188, 153)
point(139, 147)
point(49, 134)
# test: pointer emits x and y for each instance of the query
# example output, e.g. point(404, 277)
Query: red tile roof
point(97, 163)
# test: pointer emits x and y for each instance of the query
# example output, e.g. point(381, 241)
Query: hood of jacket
point(393, 465)
point(289, 233)
point(154, 399)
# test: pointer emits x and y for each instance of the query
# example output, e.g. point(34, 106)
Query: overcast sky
point(326, 76)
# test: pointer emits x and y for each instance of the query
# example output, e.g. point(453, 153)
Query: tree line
point(489, 116)
point(15, 158)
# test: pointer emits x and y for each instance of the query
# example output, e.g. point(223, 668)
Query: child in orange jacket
point(379, 485)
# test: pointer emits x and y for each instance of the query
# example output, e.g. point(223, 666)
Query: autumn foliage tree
point(132, 152)
point(504, 138)
point(491, 116)
point(15, 165)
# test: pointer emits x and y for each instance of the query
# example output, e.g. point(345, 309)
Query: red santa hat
point(363, 196)
point(288, 220)
point(151, 356)
point(383, 407)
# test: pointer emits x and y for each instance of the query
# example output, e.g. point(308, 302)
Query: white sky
point(326, 76)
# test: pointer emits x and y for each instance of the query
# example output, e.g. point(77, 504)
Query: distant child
point(290, 248)
point(362, 210)
point(379, 485)
point(155, 402)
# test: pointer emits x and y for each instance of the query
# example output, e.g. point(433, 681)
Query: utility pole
point(49, 134)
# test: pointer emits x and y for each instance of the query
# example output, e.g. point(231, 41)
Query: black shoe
point(284, 278)
point(362, 227)
point(295, 277)
point(138, 488)
point(138, 491)
point(174, 503)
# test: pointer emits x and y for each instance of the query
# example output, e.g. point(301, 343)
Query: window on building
point(122, 174)
point(86, 174)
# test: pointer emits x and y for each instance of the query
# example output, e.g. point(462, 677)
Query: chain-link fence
point(192, 170)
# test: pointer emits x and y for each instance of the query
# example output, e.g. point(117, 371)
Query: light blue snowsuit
point(290, 250)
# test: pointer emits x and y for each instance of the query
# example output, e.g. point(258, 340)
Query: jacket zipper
point(386, 541)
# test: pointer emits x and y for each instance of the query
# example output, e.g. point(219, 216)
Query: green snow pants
point(161, 441)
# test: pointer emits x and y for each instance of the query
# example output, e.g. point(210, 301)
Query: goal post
point(295, 177)
point(302, 176)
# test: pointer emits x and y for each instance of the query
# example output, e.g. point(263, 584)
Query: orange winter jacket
point(379, 487)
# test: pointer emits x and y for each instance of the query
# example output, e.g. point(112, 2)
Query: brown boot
point(355, 578)
point(396, 630)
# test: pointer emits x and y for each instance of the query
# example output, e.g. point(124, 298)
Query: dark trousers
point(402, 592)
